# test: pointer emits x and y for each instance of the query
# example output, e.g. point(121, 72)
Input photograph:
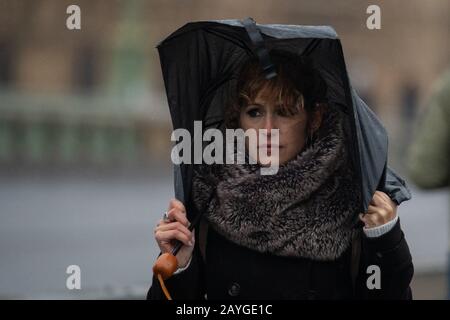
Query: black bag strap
point(260, 49)
point(355, 256)
point(203, 237)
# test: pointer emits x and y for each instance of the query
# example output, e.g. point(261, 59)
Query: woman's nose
point(269, 123)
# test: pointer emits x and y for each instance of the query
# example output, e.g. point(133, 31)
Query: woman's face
point(261, 114)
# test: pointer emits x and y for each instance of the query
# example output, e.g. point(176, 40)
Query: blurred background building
point(85, 129)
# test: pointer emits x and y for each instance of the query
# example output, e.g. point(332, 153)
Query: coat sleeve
point(390, 253)
point(187, 285)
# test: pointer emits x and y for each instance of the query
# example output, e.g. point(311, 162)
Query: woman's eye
point(254, 112)
point(283, 113)
point(286, 112)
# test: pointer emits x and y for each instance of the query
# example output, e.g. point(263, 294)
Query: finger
point(174, 226)
point(388, 198)
point(385, 203)
point(367, 221)
point(377, 200)
point(170, 235)
point(373, 218)
point(388, 204)
point(380, 215)
point(176, 215)
point(175, 203)
point(384, 196)
point(160, 222)
point(371, 209)
point(370, 222)
point(391, 205)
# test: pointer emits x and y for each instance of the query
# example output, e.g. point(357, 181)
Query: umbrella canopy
point(200, 64)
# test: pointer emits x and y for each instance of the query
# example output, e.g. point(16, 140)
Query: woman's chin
point(268, 161)
point(271, 160)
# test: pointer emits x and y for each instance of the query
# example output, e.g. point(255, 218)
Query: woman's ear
point(317, 117)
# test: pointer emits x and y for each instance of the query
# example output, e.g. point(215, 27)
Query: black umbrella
point(200, 62)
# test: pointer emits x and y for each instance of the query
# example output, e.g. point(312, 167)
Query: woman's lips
point(270, 146)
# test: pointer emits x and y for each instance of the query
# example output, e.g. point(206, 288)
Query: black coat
point(231, 271)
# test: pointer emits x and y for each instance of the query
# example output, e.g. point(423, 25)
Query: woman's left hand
point(381, 210)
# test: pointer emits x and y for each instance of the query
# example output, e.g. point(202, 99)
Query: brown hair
point(297, 85)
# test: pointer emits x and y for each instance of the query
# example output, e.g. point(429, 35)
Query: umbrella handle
point(167, 263)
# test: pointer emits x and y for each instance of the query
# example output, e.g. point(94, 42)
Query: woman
point(294, 234)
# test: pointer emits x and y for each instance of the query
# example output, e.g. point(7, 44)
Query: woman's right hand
point(176, 228)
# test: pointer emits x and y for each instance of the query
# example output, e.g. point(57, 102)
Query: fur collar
point(305, 210)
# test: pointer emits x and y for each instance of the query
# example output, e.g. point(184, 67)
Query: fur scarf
point(305, 210)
